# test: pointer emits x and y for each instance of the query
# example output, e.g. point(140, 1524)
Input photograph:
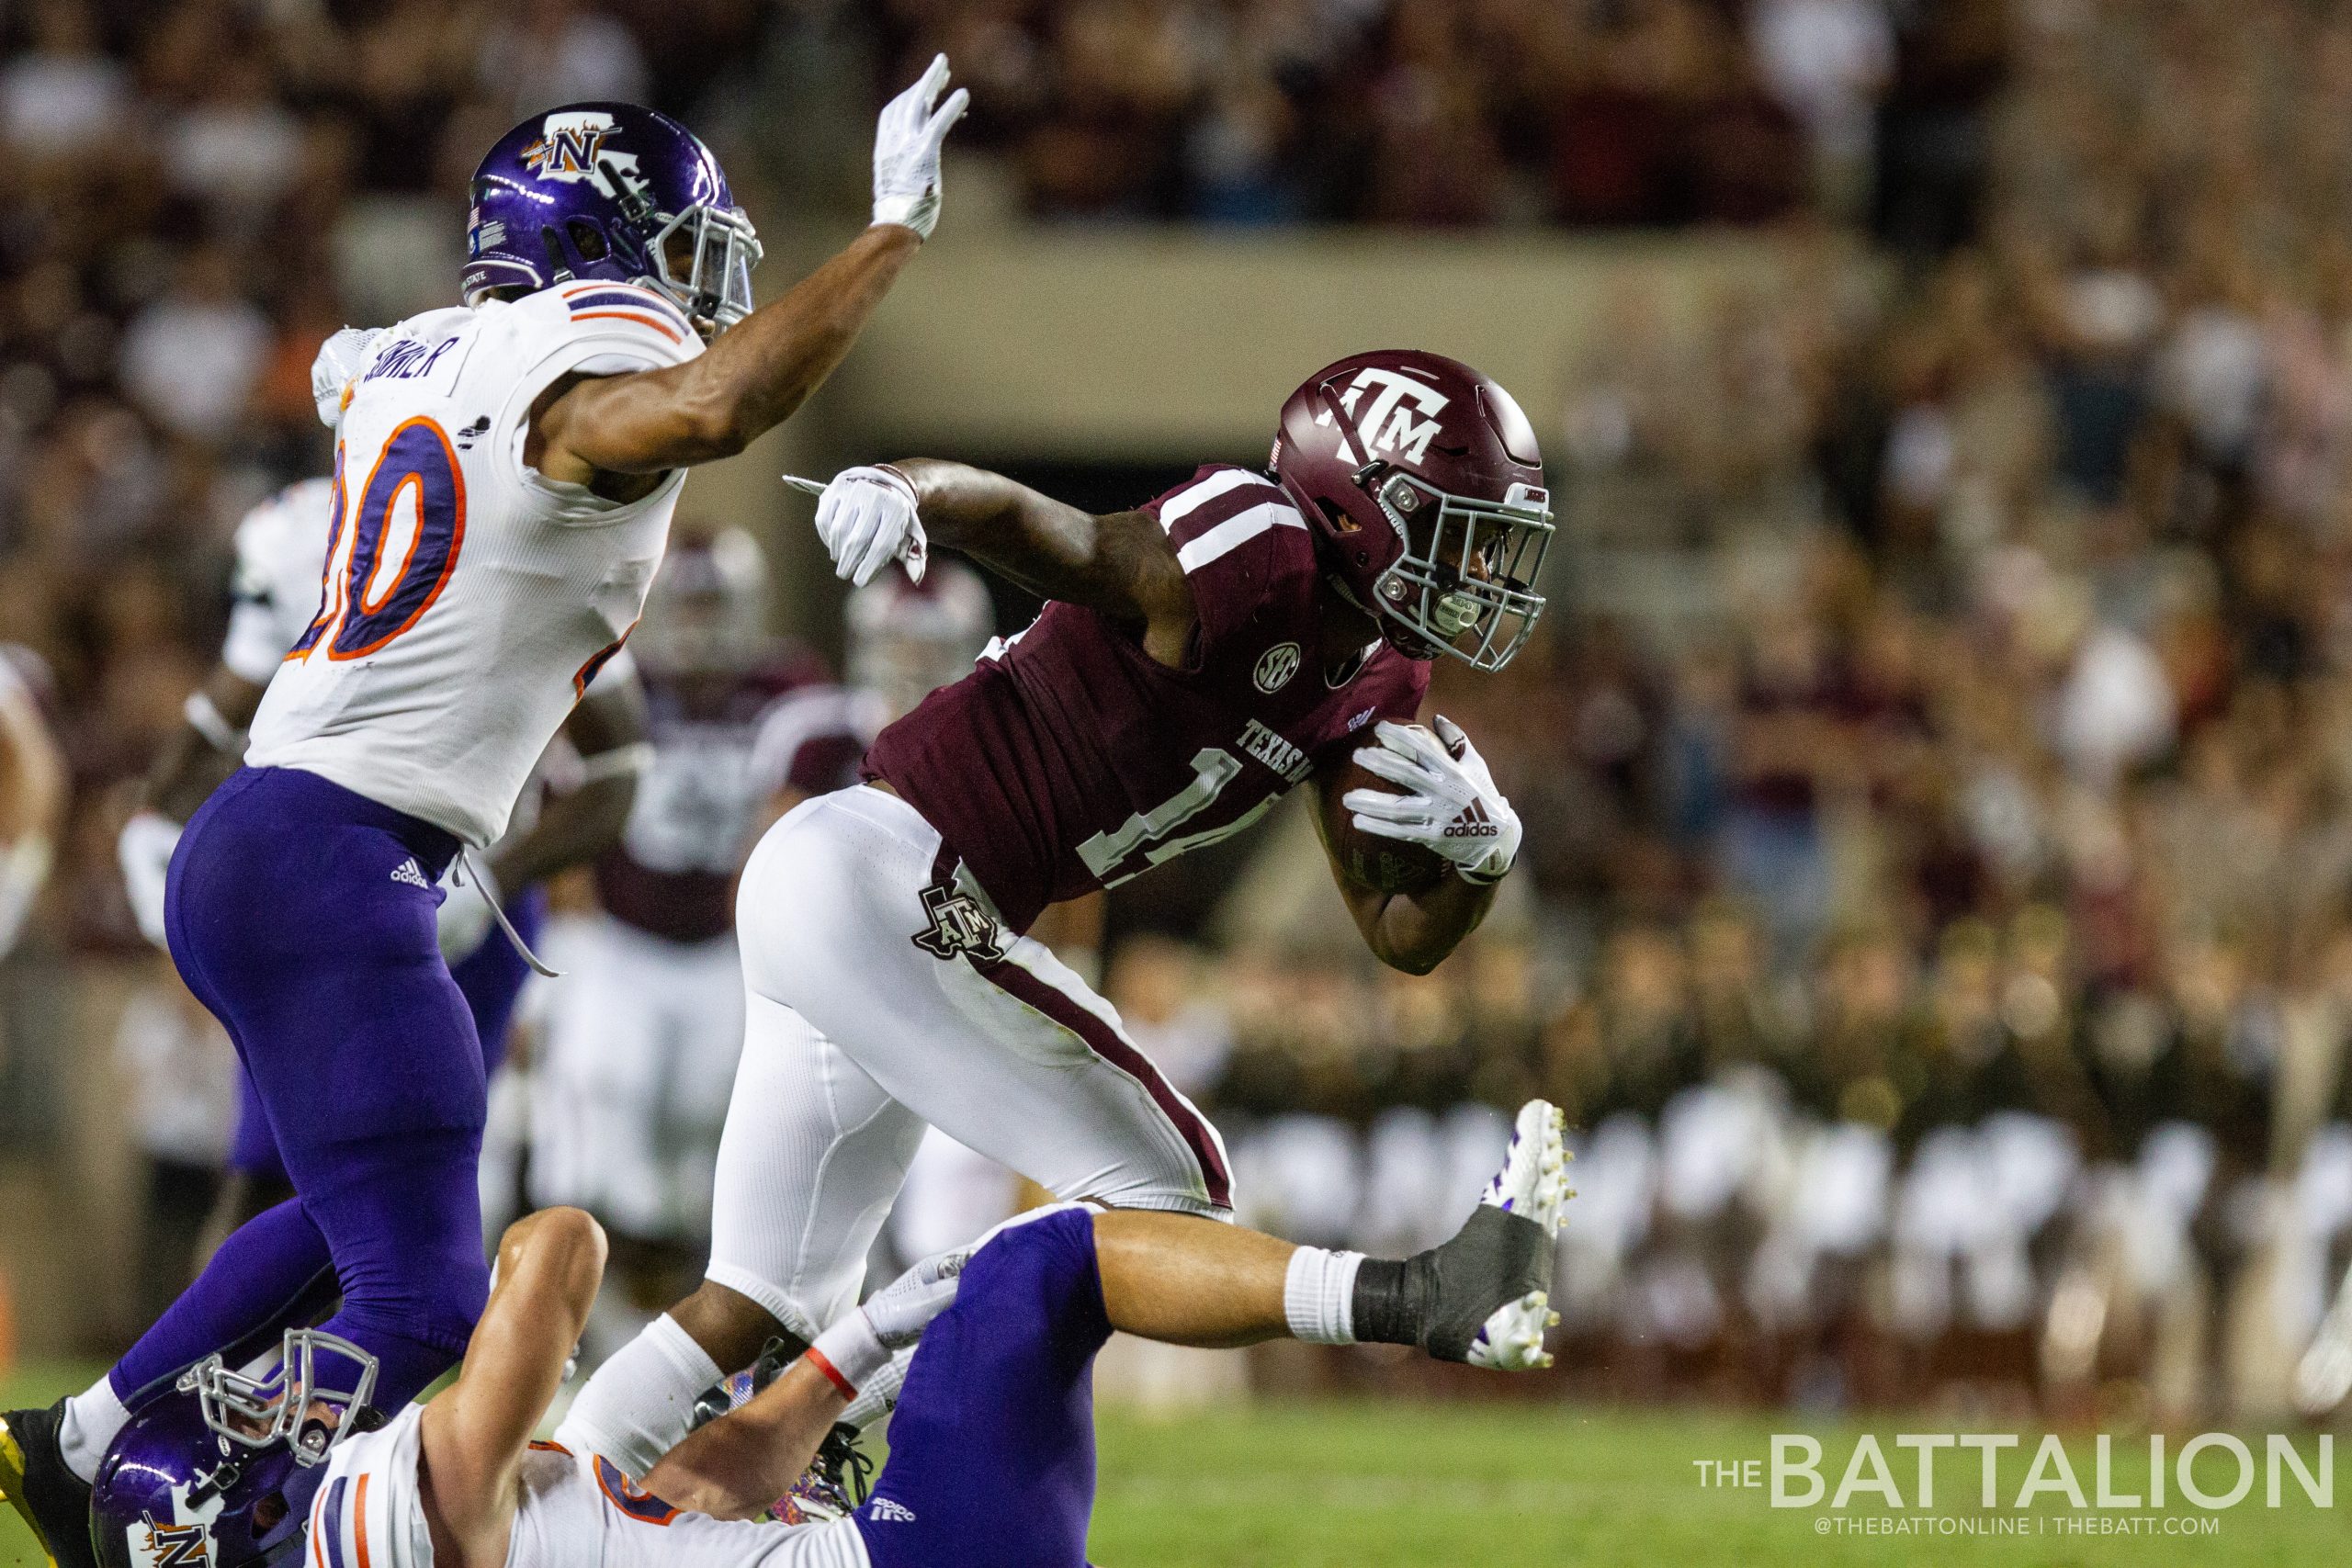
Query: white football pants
point(856, 1036)
point(634, 1082)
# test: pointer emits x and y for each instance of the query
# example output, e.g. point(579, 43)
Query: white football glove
point(462, 923)
point(144, 850)
point(867, 517)
point(861, 1345)
point(1450, 804)
point(878, 1394)
point(906, 151)
point(340, 358)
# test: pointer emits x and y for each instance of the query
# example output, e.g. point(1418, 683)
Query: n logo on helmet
point(178, 1546)
point(186, 1544)
point(571, 147)
point(1399, 417)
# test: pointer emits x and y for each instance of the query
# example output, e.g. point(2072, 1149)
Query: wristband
point(816, 1358)
point(850, 1352)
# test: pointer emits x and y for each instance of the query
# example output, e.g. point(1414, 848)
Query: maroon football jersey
point(723, 746)
point(1070, 760)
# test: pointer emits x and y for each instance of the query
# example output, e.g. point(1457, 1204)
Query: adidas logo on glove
point(1473, 823)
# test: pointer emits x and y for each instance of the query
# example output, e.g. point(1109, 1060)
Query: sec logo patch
point(1276, 666)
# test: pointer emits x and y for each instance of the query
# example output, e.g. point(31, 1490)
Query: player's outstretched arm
point(735, 1467)
point(719, 402)
point(474, 1434)
point(1121, 564)
point(754, 375)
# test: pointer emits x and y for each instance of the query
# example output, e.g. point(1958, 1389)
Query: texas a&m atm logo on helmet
point(1422, 483)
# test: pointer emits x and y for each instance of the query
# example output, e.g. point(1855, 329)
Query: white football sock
point(92, 1418)
point(1318, 1296)
point(638, 1406)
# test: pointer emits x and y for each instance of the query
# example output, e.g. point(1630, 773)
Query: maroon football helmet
point(1422, 480)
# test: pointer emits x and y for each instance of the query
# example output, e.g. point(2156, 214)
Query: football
point(1367, 858)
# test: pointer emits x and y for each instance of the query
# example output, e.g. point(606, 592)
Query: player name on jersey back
point(467, 600)
point(1070, 759)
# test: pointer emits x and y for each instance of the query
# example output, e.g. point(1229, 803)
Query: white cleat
point(1534, 1186)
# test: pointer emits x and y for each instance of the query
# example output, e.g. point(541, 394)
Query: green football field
point(1393, 1484)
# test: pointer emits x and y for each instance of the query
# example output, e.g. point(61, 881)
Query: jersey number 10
point(358, 613)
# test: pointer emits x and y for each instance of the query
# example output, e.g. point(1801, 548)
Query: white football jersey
point(467, 600)
point(574, 1513)
point(281, 549)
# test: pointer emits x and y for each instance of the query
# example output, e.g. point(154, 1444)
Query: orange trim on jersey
point(595, 664)
point(360, 1520)
point(660, 326)
point(630, 1497)
point(327, 621)
point(456, 533)
point(550, 1447)
point(652, 296)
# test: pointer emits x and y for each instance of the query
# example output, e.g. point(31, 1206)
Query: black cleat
point(54, 1502)
point(1485, 1296)
point(835, 1483)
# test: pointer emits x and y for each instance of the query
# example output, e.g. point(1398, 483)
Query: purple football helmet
point(610, 191)
point(220, 1471)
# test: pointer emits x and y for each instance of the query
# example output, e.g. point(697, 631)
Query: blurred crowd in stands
point(1938, 903)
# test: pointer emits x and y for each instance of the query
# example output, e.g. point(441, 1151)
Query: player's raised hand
point(1448, 803)
point(906, 150)
point(868, 516)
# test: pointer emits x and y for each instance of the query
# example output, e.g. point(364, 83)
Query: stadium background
point(1936, 764)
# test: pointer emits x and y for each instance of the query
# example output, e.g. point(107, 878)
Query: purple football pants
point(302, 915)
point(492, 977)
point(992, 1446)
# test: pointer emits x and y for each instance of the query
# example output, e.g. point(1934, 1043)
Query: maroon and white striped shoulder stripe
point(1221, 510)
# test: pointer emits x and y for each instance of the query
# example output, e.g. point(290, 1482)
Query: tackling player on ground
point(991, 1445)
point(1200, 656)
point(504, 477)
